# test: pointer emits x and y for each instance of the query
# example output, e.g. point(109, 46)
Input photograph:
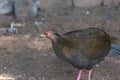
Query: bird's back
point(92, 43)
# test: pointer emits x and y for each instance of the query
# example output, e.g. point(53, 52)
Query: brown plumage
point(81, 48)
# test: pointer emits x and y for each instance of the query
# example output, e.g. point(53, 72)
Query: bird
point(81, 48)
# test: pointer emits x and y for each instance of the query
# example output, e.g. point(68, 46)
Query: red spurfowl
point(81, 48)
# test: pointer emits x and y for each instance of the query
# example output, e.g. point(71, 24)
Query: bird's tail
point(115, 50)
point(115, 46)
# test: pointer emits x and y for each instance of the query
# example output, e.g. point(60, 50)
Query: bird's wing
point(88, 44)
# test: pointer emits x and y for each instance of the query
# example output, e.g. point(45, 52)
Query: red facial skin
point(48, 33)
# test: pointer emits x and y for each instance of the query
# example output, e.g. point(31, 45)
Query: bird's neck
point(56, 39)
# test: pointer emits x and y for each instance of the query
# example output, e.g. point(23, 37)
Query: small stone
point(43, 78)
point(97, 65)
point(38, 23)
point(13, 30)
point(87, 3)
point(3, 31)
point(28, 36)
point(43, 19)
point(5, 67)
point(44, 54)
point(47, 66)
point(87, 12)
point(55, 67)
point(31, 78)
point(5, 7)
point(34, 57)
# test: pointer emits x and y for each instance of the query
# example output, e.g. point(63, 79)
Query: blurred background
point(24, 56)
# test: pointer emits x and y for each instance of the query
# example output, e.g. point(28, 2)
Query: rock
point(5, 7)
point(22, 8)
point(111, 2)
point(36, 7)
point(12, 30)
point(107, 2)
point(36, 3)
point(39, 22)
point(87, 3)
point(3, 31)
point(25, 9)
point(50, 4)
point(5, 21)
point(86, 12)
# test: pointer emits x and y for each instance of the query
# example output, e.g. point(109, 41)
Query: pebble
point(13, 30)
point(47, 66)
point(86, 12)
point(43, 78)
point(31, 78)
point(45, 54)
point(21, 77)
point(97, 65)
point(5, 67)
point(3, 31)
point(39, 22)
point(28, 36)
point(34, 57)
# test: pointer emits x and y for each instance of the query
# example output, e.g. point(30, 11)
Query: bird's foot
point(79, 74)
point(89, 74)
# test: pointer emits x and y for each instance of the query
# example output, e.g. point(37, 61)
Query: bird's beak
point(42, 35)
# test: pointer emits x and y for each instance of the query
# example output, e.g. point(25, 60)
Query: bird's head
point(50, 34)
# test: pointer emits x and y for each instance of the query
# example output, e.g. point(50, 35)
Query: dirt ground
point(25, 56)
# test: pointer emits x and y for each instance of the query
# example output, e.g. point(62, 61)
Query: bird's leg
point(89, 74)
point(79, 74)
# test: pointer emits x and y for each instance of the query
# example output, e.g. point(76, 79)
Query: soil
point(26, 56)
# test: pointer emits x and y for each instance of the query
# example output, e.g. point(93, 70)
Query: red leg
point(79, 74)
point(89, 74)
